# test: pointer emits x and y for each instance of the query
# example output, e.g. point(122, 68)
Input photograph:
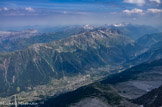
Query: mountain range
point(18, 40)
point(67, 57)
point(84, 53)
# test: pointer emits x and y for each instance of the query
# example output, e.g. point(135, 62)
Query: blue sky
point(69, 12)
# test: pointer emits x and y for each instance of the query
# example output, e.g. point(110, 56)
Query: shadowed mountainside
point(151, 99)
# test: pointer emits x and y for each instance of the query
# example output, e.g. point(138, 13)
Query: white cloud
point(157, 1)
point(65, 12)
point(5, 8)
point(137, 2)
point(154, 10)
point(29, 9)
point(133, 11)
